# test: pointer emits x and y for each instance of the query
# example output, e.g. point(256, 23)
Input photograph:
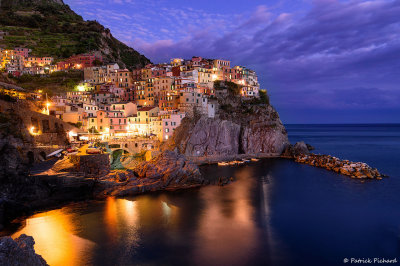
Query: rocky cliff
point(167, 171)
point(241, 127)
point(20, 193)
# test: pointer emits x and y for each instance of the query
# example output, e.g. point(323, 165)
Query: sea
point(276, 212)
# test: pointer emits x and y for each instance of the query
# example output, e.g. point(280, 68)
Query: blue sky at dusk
point(322, 61)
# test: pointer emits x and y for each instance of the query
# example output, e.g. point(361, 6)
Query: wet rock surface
point(19, 252)
point(167, 171)
point(345, 167)
point(229, 135)
point(300, 152)
point(291, 151)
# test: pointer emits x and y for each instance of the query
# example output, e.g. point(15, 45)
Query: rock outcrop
point(301, 154)
point(345, 167)
point(291, 151)
point(19, 252)
point(167, 171)
point(263, 136)
point(20, 194)
point(241, 127)
point(209, 137)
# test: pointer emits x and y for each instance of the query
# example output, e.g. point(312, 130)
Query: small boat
point(55, 153)
point(72, 149)
point(254, 159)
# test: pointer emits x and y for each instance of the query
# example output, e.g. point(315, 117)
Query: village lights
point(72, 134)
point(32, 131)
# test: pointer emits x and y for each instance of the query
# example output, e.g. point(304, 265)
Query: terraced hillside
point(51, 28)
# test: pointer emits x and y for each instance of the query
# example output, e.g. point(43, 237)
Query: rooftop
point(143, 109)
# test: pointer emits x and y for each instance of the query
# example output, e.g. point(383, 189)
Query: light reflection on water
point(276, 213)
point(55, 238)
point(210, 224)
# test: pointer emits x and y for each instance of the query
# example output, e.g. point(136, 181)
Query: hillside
point(51, 28)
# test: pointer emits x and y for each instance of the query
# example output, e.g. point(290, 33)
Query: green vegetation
point(232, 87)
point(51, 84)
point(226, 107)
point(141, 156)
point(52, 29)
point(264, 98)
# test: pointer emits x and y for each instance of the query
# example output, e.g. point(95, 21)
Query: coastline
point(124, 183)
point(204, 160)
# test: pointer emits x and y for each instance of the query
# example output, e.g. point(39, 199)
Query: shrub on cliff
point(232, 87)
point(264, 98)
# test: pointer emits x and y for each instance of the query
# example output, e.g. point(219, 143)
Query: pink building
point(22, 51)
point(79, 61)
point(158, 72)
point(169, 123)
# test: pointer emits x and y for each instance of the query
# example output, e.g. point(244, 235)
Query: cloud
point(335, 54)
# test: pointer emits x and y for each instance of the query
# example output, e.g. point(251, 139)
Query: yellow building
point(220, 64)
point(144, 123)
point(146, 73)
point(38, 61)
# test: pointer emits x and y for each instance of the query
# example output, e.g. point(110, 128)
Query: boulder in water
point(19, 251)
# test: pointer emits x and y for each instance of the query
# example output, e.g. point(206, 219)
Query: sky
point(321, 61)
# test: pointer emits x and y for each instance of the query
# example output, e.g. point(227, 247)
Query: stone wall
point(96, 164)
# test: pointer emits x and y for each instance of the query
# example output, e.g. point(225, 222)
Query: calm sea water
point(277, 213)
